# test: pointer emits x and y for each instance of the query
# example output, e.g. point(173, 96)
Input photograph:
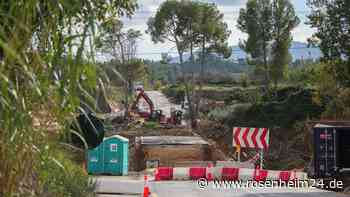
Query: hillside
point(298, 50)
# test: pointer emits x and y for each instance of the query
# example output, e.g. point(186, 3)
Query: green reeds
point(46, 70)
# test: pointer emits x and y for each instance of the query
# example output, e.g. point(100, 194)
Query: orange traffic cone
point(146, 191)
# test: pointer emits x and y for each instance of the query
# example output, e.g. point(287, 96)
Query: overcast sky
point(147, 8)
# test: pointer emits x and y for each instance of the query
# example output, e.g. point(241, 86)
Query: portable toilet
point(95, 161)
point(110, 157)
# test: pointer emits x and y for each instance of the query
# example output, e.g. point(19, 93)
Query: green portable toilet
point(110, 157)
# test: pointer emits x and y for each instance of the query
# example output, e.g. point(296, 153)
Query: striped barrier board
point(225, 173)
point(246, 137)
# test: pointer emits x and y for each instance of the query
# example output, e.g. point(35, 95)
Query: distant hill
point(298, 50)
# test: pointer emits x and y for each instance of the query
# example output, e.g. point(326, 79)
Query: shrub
point(239, 95)
point(231, 112)
point(158, 85)
point(151, 125)
point(244, 81)
point(61, 176)
point(45, 70)
point(176, 92)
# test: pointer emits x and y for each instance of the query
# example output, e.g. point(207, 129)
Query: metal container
point(331, 150)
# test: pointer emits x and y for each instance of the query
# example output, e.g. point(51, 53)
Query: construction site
point(163, 146)
point(175, 98)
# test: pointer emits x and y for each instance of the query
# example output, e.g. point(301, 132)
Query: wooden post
point(261, 158)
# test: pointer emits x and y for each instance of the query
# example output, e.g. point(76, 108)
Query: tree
point(212, 31)
point(118, 43)
point(122, 46)
point(284, 21)
point(190, 25)
point(169, 24)
point(268, 25)
point(256, 21)
point(211, 37)
point(331, 18)
point(174, 22)
point(132, 70)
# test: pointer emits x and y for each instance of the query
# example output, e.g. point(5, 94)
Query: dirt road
point(161, 102)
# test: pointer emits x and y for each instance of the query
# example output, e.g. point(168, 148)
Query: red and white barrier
point(225, 173)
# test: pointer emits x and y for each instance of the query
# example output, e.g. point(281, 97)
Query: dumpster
point(331, 150)
point(110, 157)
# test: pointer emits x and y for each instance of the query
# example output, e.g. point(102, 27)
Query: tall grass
point(45, 74)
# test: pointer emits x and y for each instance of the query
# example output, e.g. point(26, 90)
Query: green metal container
point(110, 157)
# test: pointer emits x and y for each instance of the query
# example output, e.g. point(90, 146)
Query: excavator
point(152, 114)
point(92, 128)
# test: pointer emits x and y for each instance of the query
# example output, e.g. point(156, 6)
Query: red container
point(197, 173)
point(230, 174)
point(164, 174)
point(284, 175)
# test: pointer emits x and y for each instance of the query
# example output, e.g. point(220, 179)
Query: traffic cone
point(146, 191)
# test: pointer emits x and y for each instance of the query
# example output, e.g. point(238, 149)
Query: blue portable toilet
point(110, 157)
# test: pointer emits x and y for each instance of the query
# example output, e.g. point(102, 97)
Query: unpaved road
point(161, 102)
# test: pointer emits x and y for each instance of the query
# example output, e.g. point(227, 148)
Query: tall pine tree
point(284, 21)
point(331, 18)
point(268, 25)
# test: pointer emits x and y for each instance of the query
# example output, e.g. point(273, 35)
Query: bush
point(151, 125)
point(244, 81)
point(158, 85)
point(231, 112)
point(60, 176)
point(176, 92)
point(283, 109)
point(244, 96)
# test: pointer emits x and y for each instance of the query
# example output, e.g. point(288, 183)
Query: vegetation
point(45, 73)
point(281, 113)
point(66, 177)
point(121, 47)
point(217, 70)
point(49, 74)
point(331, 19)
point(175, 92)
point(191, 25)
point(268, 25)
point(159, 71)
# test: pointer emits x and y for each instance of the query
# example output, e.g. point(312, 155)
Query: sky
point(230, 8)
